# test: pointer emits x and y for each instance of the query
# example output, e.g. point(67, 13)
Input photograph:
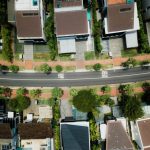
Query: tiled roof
point(5, 131)
point(35, 131)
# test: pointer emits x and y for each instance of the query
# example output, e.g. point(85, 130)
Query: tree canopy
point(57, 92)
point(133, 109)
point(19, 103)
point(85, 101)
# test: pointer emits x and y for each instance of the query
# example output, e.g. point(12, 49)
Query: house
point(117, 137)
point(35, 136)
point(5, 137)
point(141, 135)
point(124, 23)
point(146, 9)
point(72, 26)
point(28, 17)
point(75, 135)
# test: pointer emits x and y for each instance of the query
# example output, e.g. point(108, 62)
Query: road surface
point(75, 78)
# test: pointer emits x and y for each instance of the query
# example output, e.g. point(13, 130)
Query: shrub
point(126, 89)
point(130, 63)
point(45, 68)
point(4, 68)
point(21, 91)
point(57, 92)
point(59, 68)
point(97, 67)
point(19, 103)
point(14, 68)
point(35, 93)
point(73, 92)
point(7, 92)
point(106, 89)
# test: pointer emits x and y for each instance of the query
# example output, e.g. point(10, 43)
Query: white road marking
point(74, 79)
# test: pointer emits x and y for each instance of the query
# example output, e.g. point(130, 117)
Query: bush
point(106, 89)
point(4, 68)
point(97, 67)
point(21, 91)
point(57, 92)
point(14, 68)
point(19, 103)
point(73, 92)
point(59, 68)
point(126, 89)
point(7, 92)
point(130, 63)
point(35, 93)
point(45, 68)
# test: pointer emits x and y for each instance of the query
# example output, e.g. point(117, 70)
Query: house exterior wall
point(36, 144)
point(5, 142)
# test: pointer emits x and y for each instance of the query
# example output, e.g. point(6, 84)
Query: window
point(5, 147)
point(125, 9)
point(35, 2)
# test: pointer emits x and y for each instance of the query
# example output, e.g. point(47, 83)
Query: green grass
point(41, 56)
point(89, 55)
point(43, 102)
point(65, 57)
point(129, 52)
point(89, 67)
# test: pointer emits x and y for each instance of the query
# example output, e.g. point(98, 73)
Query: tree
point(1, 91)
point(4, 68)
point(97, 67)
point(35, 93)
point(133, 109)
point(45, 68)
point(7, 51)
point(3, 12)
point(57, 92)
point(106, 100)
point(130, 63)
point(21, 91)
point(146, 94)
point(106, 89)
point(126, 89)
point(85, 101)
point(19, 103)
point(59, 68)
point(7, 92)
point(14, 68)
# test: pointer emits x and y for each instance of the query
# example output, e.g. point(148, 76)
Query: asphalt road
point(74, 79)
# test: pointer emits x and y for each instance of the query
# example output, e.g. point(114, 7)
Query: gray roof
point(146, 9)
point(74, 137)
point(11, 10)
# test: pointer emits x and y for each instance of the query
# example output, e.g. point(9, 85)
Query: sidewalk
point(29, 65)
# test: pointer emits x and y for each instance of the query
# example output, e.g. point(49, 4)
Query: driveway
point(116, 45)
point(66, 109)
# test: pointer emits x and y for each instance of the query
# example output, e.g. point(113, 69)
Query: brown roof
point(72, 22)
point(5, 131)
point(28, 24)
point(120, 17)
point(144, 128)
point(65, 3)
point(112, 2)
point(117, 137)
point(35, 131)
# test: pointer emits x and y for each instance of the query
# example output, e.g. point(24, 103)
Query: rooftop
point(66, 3)
point(75, 136)
point(28, 24)
point(123, 18)
point(5, 131)
point(117, 137)
point(144, 129)
point(71, 23)
point(35, 131)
